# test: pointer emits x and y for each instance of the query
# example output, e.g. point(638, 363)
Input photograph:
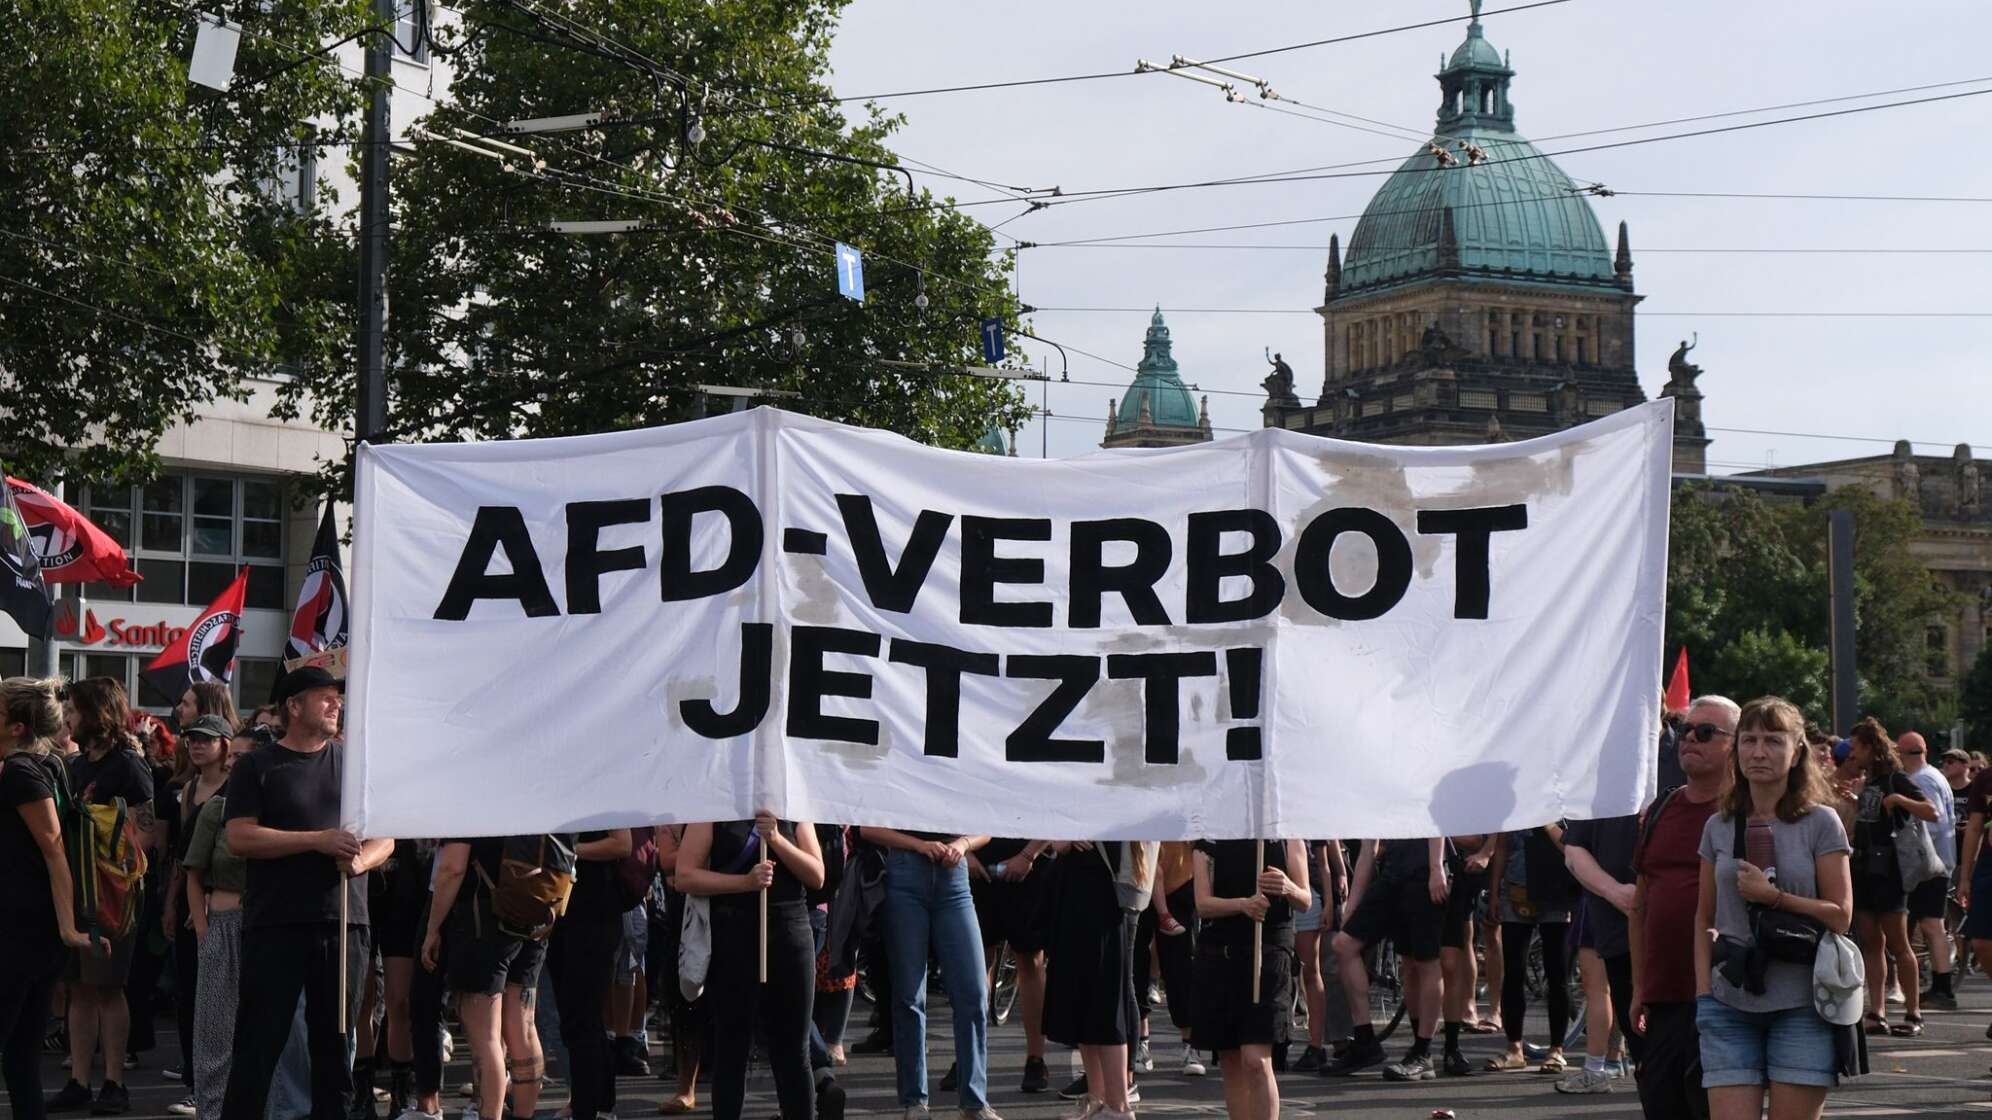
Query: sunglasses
point(1706, 732)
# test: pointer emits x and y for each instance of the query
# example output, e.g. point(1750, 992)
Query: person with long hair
point(108, 767)
point(1762, 1029)
point(1089, 981)
point(1243, 899)
point(37, 910)
point(1883, 798)
point(732, 862)
point(204, 698)
point(215, 878)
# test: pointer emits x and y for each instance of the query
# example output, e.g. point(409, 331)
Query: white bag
point(695, 946)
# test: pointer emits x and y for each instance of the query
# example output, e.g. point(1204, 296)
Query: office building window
point(194, 533)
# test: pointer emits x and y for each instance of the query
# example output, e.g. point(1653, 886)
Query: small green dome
point(992, 442)
point(1156, 383)
point(1476, 52)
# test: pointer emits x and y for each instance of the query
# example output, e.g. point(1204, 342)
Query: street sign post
point(850, 273)
point(992, 340)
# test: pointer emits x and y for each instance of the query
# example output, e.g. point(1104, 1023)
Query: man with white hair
point(1667, 862)
point(1929, 902)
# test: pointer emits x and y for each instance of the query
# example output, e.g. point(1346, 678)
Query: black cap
point(212, 727)
point(299, 680)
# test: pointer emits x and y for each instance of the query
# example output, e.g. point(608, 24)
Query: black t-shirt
point(122, 772)
point(1611, 842)
point(999, 850)
point(294, 792)
point(27, 913)
point(1404, 859)
point(595, 894)
point(1233, 875)
point(730, 840)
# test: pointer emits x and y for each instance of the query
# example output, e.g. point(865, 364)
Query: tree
point(1747, 593)
point(1974, 702)
point(146, 267)
point(503, 328)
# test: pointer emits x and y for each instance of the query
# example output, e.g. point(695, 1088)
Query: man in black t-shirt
point(1599, 854)
point(1400, 894)
point(283, 817)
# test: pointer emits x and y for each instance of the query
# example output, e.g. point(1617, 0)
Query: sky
point(1920, 374)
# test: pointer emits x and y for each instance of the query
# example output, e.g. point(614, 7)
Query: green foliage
point(145, 269)
point(503, 328)
point(1747, 593)
point(1974, 702)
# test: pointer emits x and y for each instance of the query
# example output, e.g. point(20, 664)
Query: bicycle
point(1386, 987)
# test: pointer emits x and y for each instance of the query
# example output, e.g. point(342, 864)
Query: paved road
point(1942, 1074)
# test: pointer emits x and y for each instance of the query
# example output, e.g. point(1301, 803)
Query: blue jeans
point(927, 905)
point(1752, 1047)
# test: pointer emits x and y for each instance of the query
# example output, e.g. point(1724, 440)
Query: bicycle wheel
point(1003, 994)
point(1386, 987)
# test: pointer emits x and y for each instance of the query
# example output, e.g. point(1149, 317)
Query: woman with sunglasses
point(1883, 799)
point(1793, 862)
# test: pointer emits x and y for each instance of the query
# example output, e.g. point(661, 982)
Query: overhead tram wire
point(1643, 313)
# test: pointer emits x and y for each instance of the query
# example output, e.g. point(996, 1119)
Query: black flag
point(22, 592)
point(320, 619)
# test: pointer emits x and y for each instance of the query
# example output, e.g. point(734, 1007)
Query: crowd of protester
point(749, 936)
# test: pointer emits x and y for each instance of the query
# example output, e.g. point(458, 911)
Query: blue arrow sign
point(850, 273)
point(992, 341)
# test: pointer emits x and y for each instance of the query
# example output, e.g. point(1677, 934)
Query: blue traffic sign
point(850, 273)
point(992, 341)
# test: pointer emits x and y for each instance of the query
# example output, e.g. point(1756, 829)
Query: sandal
point(675, 1106)
point(1553, 1064)
point(1488, 1026)
point(1911, 1026)
point(1874, 1024)
point(1507, 1063)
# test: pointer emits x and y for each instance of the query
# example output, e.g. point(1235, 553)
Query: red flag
point(72, 550)
point(320, 619)
point(206, 652)
point(1677, 685)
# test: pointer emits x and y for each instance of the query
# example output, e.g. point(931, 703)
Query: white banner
point(1270, 635)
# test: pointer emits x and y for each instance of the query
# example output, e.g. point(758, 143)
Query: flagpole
point(1258, 948)
point(345, 905)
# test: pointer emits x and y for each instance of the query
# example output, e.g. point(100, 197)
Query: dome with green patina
point(992, 442)
point(1157, 385)
point(1478, 199)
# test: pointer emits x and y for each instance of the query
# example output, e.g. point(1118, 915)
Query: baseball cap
point(301, 680)
point(213, 727)
point(1841, 749)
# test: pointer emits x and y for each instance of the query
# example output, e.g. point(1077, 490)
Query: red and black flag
point(22, 592)
point(206, 652)
point(71, 548)
point(319, 622)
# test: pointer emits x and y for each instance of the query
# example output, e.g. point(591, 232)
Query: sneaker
point(1192, 1062)
point(1133, 1095)
point(470, 1111)
point(467, 1089)
point(830, 1100)
point(913, 1112)
point(1310, 1060)
point(72, 1097)
point(1454, 1064)
point(1088, 1109)
point(1620, 1069)
point(183, 1107)
point(1895, 992)
point(951, 1080)
point(1354, 1060)
point(56, 1041)
point(877, 1042)
point(112, 1100)
point(1076, 1090)
point(1945, 1001)
point(983, 1113)
point(1037, 1078)
point(169, 1074)
point(630, 1058)
point(1418, 1068)
point(418, 1114)
point(1144, 1062)
point(449, 1044)
point(1586, 1081)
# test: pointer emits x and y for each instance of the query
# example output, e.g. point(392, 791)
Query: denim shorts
point(1752, 1047)
point(1309, 920)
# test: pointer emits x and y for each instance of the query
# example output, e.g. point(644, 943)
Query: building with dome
point(1478, 300)
point(1158, 410)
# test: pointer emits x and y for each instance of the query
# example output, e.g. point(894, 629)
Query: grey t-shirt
point(1787, 984)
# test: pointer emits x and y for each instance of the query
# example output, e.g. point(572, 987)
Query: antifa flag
point(206, 652)
point(319, 622)
point(71, 549)
point(22, 592)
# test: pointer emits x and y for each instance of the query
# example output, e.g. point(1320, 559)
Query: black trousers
point(1618, 974)
point(278, 963)
point(779, 1009)
point(581, 960)
point(425, 1025)
point(27, 976)
point(186, 976)
point(1670, 1073)
point(1514, 976)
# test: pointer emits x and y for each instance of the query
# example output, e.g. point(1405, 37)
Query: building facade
point(1158, 410)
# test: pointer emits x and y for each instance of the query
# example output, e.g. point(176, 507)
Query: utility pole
point(1840, 581)
point(370, 413)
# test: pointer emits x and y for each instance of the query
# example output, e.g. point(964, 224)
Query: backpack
point(107, 862)
point(637, 871)
point(535, 878)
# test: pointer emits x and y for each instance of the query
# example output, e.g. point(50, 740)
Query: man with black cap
point(283, 817)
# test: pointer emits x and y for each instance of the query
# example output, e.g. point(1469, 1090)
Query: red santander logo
point(87, 631)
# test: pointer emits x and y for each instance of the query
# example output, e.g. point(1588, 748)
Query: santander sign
point(88, 631)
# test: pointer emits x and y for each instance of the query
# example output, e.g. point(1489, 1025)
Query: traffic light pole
point(370, 413)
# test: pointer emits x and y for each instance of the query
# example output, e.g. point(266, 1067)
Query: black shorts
point(1013, 913)
point(1931, 900)
point(399, 922)
point(1461, 905)
point(487, 965)
point(1880, 894)
point(1403, 911)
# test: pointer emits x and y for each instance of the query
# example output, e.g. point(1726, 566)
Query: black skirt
point(1223, 1016)
point(1089, 982)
